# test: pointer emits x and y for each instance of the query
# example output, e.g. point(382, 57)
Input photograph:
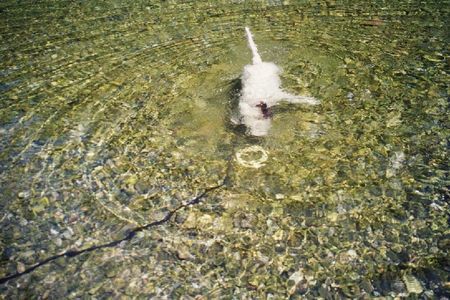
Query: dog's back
point(261, 87)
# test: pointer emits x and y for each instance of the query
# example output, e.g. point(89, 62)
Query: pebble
point(244, 221)
point(68, 233)
point(8, 252)
point(352, 253)
point(278, 235)
point(111, 273)
point(296, 277)
point(20, 267)
point(58, 242)
point(28, 254)
point(23, 195)
point(412, 284)
point(183, 253)
point(434, 58)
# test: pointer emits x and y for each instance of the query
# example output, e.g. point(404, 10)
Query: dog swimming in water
point(261, 89)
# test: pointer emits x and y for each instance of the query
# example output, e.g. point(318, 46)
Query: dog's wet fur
point(257, 91)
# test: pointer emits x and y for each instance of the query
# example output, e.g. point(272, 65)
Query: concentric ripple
point(114, 113)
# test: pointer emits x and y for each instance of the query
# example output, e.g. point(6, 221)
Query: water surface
point(113, 114)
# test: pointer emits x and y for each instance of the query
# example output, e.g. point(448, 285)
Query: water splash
point(261, 89)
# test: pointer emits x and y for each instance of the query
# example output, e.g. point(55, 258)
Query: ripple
point(112, 114)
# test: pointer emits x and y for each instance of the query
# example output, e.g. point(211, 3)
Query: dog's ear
point(234, 92)
point(235, 86)
point(233, 115)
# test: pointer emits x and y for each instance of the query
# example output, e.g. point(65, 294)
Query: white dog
point(260, 91)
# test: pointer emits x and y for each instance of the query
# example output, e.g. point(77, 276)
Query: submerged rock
point(413, 285)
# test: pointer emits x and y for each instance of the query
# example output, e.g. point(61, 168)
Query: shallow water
point(114, 114)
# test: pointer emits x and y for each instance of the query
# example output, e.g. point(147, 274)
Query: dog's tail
point(256, 58)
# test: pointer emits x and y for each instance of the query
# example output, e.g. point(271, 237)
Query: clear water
point(113, 114)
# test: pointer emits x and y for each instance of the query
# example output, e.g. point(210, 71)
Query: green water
point(113, 114)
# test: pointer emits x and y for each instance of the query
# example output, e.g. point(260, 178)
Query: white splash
point(261, 86)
